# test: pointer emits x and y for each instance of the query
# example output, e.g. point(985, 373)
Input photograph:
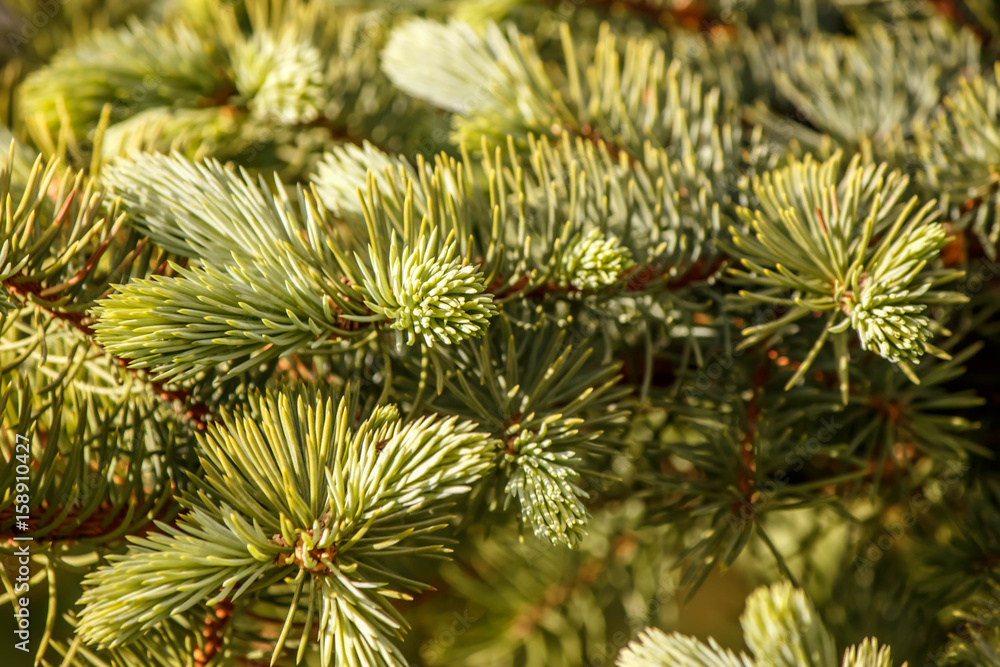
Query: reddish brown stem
point(749, 468)
point(94, 525)
point(212, 630)
point(196, 412)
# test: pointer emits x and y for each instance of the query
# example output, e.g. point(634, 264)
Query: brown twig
point(196, 412)
point(215, 623)
point(74, 527)
point(744, 478)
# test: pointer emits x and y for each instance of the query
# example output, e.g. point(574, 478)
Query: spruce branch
point(64, 242)
point(53, 241)
point(280, 77)
point(106, 470)
point(959, 150)
point(892, 427)
point(781, 628)
point(755, 443)
point(207, 211)
point(200, 549)
point(240, 314)
point(273, 194)
point(252, 299)
point(564, 216)
point(876, 87)
point(294, 489)
point(623, 101)
point(655, 648)
point(133, 68)
point(552, 411)
point(843, 247)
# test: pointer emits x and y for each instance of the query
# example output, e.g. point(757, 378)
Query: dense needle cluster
point(501, 334)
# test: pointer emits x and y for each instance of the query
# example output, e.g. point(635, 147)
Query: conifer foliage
point(340, 332)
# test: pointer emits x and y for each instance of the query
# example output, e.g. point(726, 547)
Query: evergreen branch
point(567, 215)
point(655, 648)
point(123, 602)
point(65, 250)
point(643, 99)
point(876, 87)
point(267, 300)
point(892, 427)
point(241, 313)
point(959, 152)
point(808, 248)
point(363, 493)
point(781, 628)
point(206, 211)
point(547, 406)
point(758, 464)
point(101, 478)
point(133, 69)
point(221, 302)
point(196, 412)
point(558, 251)
point(56, 235)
